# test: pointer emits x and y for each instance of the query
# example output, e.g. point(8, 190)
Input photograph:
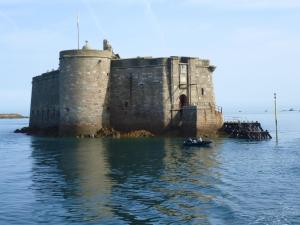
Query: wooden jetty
point(246, 130)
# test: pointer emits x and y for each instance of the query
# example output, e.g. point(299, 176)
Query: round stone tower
point(83, 91)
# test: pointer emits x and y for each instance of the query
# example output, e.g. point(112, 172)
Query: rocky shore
point(112, 133)
point(103, 132)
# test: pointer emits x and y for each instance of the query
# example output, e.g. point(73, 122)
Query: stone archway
point(182, 101)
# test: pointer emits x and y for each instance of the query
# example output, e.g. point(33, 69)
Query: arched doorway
point(182, 101)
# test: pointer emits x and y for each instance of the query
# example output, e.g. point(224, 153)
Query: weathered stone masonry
point(83, 83)
point(94, 89)
point(45, 101)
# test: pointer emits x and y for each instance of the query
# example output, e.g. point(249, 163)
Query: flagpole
point(78, 32)
point(275, 105)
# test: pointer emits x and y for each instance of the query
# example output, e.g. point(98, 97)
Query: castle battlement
point(45, 76)
point(85, 53)
point(139, 62)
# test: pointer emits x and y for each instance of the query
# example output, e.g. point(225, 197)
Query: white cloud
point(6, 20)
point(153, 19)
point(94, 16)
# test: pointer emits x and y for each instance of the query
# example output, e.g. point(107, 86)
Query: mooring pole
point(276, 125)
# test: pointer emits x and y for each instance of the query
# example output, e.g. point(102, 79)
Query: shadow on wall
point(105, 121)
point(136, 89)
point(44, 110)
point(189, 121)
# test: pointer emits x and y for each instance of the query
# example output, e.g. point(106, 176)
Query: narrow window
point(182, 76)
point(183, 68)
point(202, 91)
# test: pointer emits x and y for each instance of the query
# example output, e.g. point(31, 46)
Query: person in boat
point(200, 139)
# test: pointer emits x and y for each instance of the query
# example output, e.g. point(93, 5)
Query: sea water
point(151, 181)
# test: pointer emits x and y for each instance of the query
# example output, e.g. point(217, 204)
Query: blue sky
point(255, 44)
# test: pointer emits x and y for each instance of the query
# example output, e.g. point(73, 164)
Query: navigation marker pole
point(275, 104)
point(78, 32)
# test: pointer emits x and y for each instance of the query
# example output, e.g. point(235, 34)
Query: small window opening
point(202, 91)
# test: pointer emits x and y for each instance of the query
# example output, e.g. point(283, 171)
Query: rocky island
point(12, 116)
point(95, 92)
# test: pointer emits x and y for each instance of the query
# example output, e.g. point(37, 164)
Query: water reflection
point(136, 167)
point(191, 180)
point(123, 181)
point(157, 180)
point(72, 175)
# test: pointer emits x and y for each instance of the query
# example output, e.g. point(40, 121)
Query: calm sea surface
point(151, 181)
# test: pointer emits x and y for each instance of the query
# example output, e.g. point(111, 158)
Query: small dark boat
point(193, 142)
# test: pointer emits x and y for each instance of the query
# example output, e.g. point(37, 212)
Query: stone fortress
point(96, 89)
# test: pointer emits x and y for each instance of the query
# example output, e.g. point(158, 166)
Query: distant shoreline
point(12, 116)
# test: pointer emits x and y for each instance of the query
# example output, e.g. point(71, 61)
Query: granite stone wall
point(83, 79)
point(137, 94)
point(192, 79)
point(209, 115)
point(44, 112)
point(151, 93)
